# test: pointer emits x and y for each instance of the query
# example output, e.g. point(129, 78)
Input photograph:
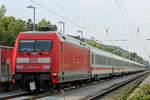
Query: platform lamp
point(32, 7)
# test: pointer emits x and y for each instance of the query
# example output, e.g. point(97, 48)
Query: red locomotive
point(42, 59)
point(45, 59)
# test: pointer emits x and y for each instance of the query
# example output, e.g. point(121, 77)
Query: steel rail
point(45, 94)
point(13, 96)
point(97, 96)
point(84, 85)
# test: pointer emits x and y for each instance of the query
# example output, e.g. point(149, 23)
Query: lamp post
point(63, 24)
point(32, 7)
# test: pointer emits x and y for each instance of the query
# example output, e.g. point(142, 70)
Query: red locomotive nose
point(34, 55)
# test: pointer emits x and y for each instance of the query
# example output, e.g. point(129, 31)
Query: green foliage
point(29, 25)
point(5, 22)
point(93, 43)
point(112, 49)
point(142, 94)
point(17, 26)
point(7, 37)
point(2, 11)
point(44, 23)
point(123, 94)
point(126, 92)
point(117, 52)
point(9, 29)
point(133, 56)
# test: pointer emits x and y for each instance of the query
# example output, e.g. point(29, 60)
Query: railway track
point(55, 92)
point(92, 91)
point(10, 95)
point(136, 84)
point(137, 79)
point(73, 91)
point(20, 95)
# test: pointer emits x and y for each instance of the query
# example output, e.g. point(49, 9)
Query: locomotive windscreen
point(42, 45)
point(35, 45)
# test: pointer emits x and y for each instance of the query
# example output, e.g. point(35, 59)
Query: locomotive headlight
point(19, 67)
point(46, 67)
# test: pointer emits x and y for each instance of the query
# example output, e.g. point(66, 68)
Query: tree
point(5, 22)
point(91, 43)
point(108, 48)
point(16, 26)
point(9, 27)
point(7, 38)
point(127, 55)
point(29, 25)
point(134, 55)
point(46, 24)
point(53, 27)
point(99, 46)
point(117, 52)
point(2, 11)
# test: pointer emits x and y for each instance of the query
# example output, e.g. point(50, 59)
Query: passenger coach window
point(42, 45)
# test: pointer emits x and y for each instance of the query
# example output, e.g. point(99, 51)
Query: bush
point(143, 93)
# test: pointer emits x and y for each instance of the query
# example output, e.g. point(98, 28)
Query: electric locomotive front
point(34, 58)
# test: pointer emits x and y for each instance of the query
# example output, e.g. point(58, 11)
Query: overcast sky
point(121, 17)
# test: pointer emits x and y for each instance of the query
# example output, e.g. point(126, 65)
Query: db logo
point(33, 60)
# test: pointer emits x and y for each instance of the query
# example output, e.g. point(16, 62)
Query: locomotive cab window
point(42, 45)
point(26, 45)
point(35, 45)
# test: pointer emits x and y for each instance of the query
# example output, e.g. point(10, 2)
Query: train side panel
point(105, 64)
point(74, 63)
point(99, 67)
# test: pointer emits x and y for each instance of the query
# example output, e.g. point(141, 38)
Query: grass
point(125, 94)
point(142, 94)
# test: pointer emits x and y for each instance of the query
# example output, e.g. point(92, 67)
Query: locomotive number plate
point(32, 85)
point(33, 60)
